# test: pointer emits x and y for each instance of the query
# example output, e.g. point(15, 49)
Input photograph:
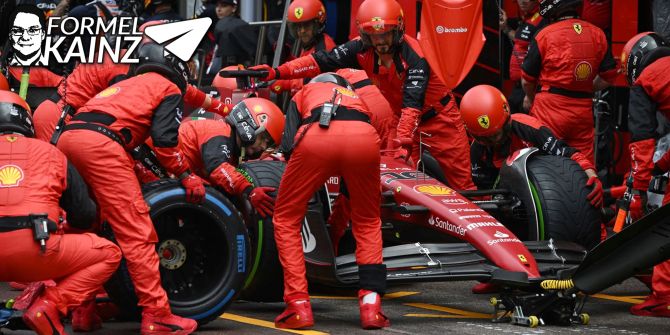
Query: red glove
point(195, 188)
point(403, 147)
point(272, 72)
point(596, 195)
point(281, 86)
point(261, 201)
point(409, 120)
point(219, 107)
point(143, 174)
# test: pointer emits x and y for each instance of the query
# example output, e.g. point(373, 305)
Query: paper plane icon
point(183, 36)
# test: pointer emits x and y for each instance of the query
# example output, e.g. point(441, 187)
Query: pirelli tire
point(558, 185)
point(265, 281)
point(203, 251)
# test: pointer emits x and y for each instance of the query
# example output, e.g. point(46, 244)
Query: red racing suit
point(39, 77)
point(96, 141)
point(36, 178)
point(324, 42)
point(383, 118)
point(649, 93)
point(529, 25)
point(81, 85)
point(525, 131)
point(349, 147)
point(563, 59)
point(211, 150)
point(414, 92)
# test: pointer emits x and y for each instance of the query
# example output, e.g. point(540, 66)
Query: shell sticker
point(433, 190)
point(108, 92)
point(346, 91)
point(298, 12)
point(578, 28)
point(583, 71)
point(484, 121)
point(10, 176)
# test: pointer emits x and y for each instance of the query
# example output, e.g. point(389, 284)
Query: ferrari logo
point(11, 139)
point(346, 91)
point(10, 176)
point(377, 26)
point(298, 12)
point(577, 27)
point(522, 258)
point(484, 121)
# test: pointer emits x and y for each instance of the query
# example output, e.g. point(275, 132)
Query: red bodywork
point(451, 37)
point(455, 215)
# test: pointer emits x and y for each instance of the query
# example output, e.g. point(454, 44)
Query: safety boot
point(85, 318)
point(370, 304)
point(653, 306)
point(297, 315)
point(161, 322)
point(44, 318)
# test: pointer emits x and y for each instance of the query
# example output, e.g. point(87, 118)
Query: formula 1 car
point(213, 252)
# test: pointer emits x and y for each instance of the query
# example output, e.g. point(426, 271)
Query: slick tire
point(559, 190)
point(265, 281)
point(203, 251)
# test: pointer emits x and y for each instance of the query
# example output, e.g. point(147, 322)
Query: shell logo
point(346, 91)
point(484, 121)
point(258, 108)
point(298, 12)
point(583, 71)
point(108, 92)
point(10, 176)
point(433, 190)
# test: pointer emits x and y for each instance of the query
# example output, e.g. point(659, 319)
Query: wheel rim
point(193, 253)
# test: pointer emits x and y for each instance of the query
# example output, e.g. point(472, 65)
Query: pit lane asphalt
point(420, 308)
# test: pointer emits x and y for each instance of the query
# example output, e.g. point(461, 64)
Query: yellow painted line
point(449, 310)
point(392, 295)
point(446, 316)
point(628, 299)
point(399, 294)
point(266, 324)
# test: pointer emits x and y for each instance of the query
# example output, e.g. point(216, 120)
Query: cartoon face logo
point(298, 12)
point(484, 121)
point(578, 28)
point(27, 35)
point(583, 71)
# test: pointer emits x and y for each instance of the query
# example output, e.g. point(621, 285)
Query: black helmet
point(640, 51)
point(331, 77)
point(153, 58)
point(15, 115)
point(549, 8)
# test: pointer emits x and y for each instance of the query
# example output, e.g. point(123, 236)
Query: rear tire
point(559, 189)
point(203, 251)
point(266, 279)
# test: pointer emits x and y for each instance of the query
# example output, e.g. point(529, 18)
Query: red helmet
point(4, 84)
point(15, 115)
point(300, 11)
point(640, 51)
point(226, 86)
point(380, 16)
point(484, 110)
point(255, 116)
